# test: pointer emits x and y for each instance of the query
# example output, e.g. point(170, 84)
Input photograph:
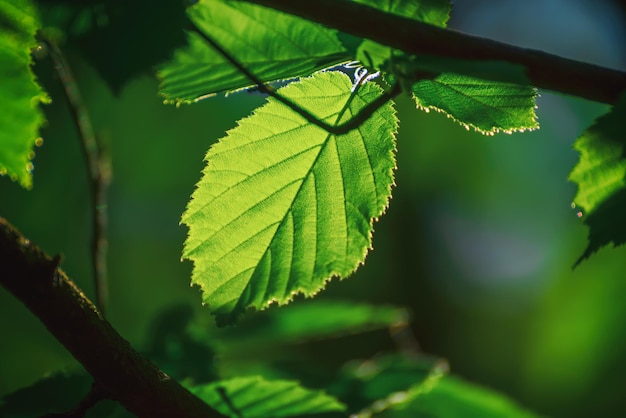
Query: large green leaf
point(487, 106)
point(601, 178)
point(450, 397)
point(20, 95)
point(270, 44)
point(254, 397)
point(283, 206)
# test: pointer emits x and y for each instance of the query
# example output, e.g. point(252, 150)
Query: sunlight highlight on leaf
point(20, 95)
point(283, 206)
point(270, 44)
point(254, 397)
point(601, 178)
point(487, 106)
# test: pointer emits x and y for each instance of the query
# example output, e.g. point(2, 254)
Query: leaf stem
point(99, 168)
point(356, 121)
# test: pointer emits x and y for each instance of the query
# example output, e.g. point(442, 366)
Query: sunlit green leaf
point(283, 206)
point(254, 397)
point(323, 319)
point(270, 44)
point(449, 396)
point(487, 106)
point(601, 178)
point(20, 95)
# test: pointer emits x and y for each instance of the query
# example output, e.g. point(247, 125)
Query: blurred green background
point(479, 240)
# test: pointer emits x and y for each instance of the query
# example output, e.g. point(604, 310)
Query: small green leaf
point(487, 106)
point(283, 206)
point(270, 44)
point(20, 95)
point(601, 178)
point(254, 397)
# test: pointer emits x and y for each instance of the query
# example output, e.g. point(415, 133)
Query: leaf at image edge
point(20, 95)
point(283, 206)
point(255, 397)
point(600, 175)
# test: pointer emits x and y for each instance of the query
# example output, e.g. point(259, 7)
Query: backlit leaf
point(270, 44)
point(283, 206)
point(601, 178)
point(20, 95)
point(487, 106)
point(254, 397)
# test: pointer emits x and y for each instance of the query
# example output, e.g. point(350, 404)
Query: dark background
point(479, 240)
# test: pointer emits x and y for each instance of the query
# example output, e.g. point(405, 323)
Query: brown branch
point(99, 168)
point(118, 370)
point(544, 70)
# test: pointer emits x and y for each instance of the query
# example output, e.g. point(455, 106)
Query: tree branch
point(544, 70)
point(117, 369)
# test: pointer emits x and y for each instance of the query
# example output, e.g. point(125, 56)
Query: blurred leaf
point(180, 352)
point(270, 44)
point(254, 397)
point(487, 106)
point(20, 95)
point(447, 396)
point(601, 178)
point(57, 393)
point(123, 39)
point(283, 206)
point(322, 319)
point(362, 383)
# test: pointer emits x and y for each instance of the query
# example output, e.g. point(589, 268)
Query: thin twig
point(356, 121)
point(99, 168)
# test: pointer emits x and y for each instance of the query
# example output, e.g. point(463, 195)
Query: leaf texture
point(254, 397)
point(20, 95)
point(601, 178)
point(486, 106)
point(283, 206)
point(270, 44)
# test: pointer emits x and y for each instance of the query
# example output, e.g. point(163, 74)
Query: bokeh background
point(479, 240)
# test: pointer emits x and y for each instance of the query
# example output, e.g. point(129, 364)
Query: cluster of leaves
point(284, 204)
point(395, 384)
